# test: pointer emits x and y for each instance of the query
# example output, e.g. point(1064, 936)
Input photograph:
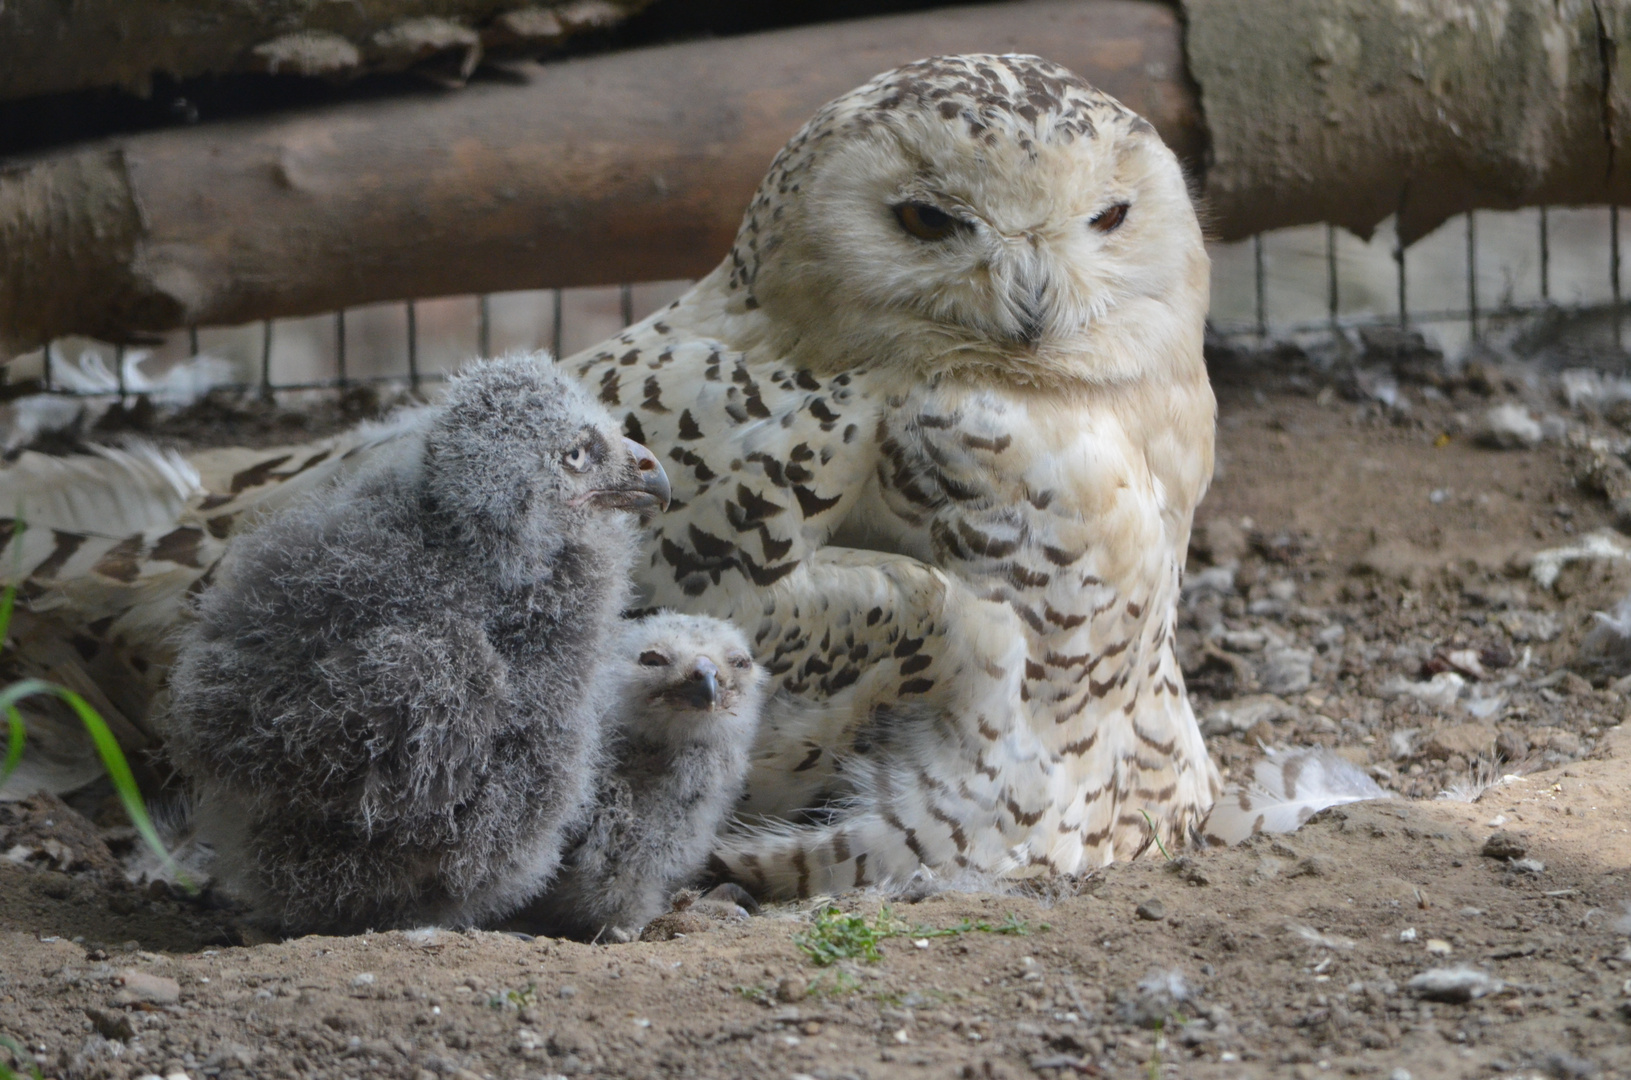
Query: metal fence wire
point(1484, 271)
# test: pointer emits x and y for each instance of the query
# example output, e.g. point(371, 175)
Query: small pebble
point(365, 979)
point(1152, 910)
point(1399, 1074)
point(568, 991)
point(1510, 427)
point(1505, 845)
point(1527, 866)
point(1455, 986)
point(1438, 947)
point(1407, 934)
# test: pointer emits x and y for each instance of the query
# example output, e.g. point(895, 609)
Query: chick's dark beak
point(702, 685)
point(647, 488)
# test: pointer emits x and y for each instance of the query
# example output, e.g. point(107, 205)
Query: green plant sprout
point(107, 747)
point(7, 1072)
point(1156, 834)
point(838, 936)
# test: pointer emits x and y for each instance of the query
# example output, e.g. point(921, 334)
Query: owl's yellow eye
point(925, 222)
point(1109, 219)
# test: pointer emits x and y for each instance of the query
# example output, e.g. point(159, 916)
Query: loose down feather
point(1285, 789)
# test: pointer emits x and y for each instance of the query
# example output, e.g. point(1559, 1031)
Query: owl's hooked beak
point(1030, 306)
point(648, 490)
point(701, 687)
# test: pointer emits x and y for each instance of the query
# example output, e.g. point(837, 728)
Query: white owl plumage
point(937, 428)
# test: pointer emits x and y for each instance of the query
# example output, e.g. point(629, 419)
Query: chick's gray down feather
point(391, 700)
point(680, 732)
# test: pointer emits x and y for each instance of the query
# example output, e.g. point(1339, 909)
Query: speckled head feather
point(989, 215)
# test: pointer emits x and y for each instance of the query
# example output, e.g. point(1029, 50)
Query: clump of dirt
point(1365, 578)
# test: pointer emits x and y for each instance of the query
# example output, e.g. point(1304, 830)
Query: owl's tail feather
point(797, 862)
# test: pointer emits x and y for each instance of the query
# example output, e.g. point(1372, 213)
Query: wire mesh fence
point(1483, 273)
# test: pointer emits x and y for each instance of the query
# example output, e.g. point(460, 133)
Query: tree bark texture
point(53, 46)
point(1348, 111)
point(622, 167)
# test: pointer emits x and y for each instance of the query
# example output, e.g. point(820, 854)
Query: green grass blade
point(14, 744)
point(107, 747)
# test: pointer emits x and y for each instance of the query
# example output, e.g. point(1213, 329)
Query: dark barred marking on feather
point(64, 545)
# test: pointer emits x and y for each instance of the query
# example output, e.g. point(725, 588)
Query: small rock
point(791, 989)
point(367, 978)
point(1241, 641)
point(1471, 741)
point(1407, 934)
point(1288, 671)
point(1525, 626)
point(1454, 986)
point(1504, 845)
point(1400, 1074)
point(567, 991)
point(1243, 714)
point(111, 1025)
point(140, 986)
point(1438, 947)
point(1152, 910)
point(672, 924)
point(1220, 542)
point(1510, 427)
point(1526, 866)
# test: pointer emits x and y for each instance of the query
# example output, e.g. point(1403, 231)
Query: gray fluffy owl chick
point(679, 737)
point(391, 701)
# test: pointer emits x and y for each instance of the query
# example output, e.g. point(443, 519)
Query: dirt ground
point(1364, 579)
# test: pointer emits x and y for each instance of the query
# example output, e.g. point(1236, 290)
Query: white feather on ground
point(1285, 789)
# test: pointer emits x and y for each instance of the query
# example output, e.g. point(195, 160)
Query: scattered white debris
point(180, 384)
point(1288, 671)
point(1243, 714)
point(1600, 544)
point(1438, 947)
point(1510, 427)
point(1217, 580)
point(1407, 934)
point(1456, 986)
point(1441, 691)
point(1323, 941)
point(367, 978)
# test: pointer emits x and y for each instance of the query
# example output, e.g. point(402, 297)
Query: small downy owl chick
point(679, 737)
point(391, 701)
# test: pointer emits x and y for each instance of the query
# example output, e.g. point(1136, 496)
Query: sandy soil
point(1351, 553)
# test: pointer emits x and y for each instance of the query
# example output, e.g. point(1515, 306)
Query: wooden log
point(1351, 111)
point(51, 47)
point(629, 166)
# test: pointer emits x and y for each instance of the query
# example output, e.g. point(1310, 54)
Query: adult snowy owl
point(936, 429)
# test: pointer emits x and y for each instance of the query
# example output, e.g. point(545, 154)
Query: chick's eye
point(653, 658)
point(1109, 219)
point(578, 458)
point(740, 661)
point(925, 222)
